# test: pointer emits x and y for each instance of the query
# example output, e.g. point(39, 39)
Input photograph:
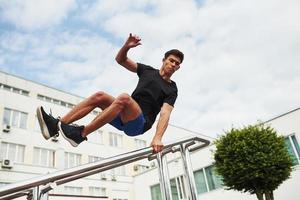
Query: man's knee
point(97, 98)
point(123, 99)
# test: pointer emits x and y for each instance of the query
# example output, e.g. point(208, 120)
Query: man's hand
point(132, 41)
point(157, 145)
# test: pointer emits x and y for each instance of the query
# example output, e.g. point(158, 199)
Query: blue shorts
point(131, 128)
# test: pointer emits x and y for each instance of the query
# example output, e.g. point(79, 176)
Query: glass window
point(96, 137)
point(72, 159)
point(177, 188)
point(6, 117)
point(140, 143)
point(174, 189)
point(200, 181)
point(23, 92)
point(20, 153)
point(293, 148)
point(206, 179)
point(14, 152)
point(296, 144)
point(6, 87)
point(15, 118)
point(213, 180)
point(43, 157)
point(16, 90)
point(97, 191)
point(73, 190)
point(155, 192)
point(115, 140)
point(94, 158)
point(23, 120)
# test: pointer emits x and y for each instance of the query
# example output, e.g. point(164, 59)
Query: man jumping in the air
point(155, 93)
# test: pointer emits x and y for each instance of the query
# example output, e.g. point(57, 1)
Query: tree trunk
point(272, 195)
point(269, 195)
point(259, 195)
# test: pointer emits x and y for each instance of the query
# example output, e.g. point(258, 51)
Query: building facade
point(209, 185)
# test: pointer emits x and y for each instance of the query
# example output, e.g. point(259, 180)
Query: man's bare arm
point(131, 42)
point(161, 127)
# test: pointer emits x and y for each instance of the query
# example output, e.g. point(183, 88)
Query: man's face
point(171, 64)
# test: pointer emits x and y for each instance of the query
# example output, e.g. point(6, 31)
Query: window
point(177, 188)
point(115, 140)
point(14, 89)
point(200, 181)
point(15, 118)
point(94, 158)
point(14, 152)
point(97, 191)
point(73, 190)
point(213, 180)
point(43, 157)
point(293, 148)
point(96, 137)
point(55, 101)
point(72, 159)
point(140, 143)
point(119, 171)
point(206, 180)
point(155, 192)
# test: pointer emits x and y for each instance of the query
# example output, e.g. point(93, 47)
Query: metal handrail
point(67, 175)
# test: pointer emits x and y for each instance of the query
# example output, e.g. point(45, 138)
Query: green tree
point(252, 159)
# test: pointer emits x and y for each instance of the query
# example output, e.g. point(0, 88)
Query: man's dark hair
point(176, 53)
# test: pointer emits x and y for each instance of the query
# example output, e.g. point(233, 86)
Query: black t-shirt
point(151, 92)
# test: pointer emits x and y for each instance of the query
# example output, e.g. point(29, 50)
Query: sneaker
point(72, 133)
point(48, 123)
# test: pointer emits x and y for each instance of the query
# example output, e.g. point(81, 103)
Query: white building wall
point(31, 137)
point(286, 125)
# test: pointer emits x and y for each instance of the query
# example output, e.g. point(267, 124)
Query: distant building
point(209, 185)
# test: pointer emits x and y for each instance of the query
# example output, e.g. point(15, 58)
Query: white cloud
point(35, 14)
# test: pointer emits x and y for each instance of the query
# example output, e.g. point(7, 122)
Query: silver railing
point(38, 188)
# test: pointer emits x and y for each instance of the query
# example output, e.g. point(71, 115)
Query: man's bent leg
point(124, 105)
point(99, 99)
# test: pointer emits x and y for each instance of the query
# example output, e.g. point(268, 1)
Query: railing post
point(36, 193)
point(189, 175)
point(164, 180)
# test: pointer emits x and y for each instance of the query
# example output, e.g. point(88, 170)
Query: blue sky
point(241, 57)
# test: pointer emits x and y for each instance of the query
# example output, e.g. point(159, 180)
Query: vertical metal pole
point(45, 196)
point(167, 177)
point(164, 177)
point(187, 165)
point(36, 193)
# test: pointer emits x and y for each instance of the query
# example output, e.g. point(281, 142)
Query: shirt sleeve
point(141, 68)
point(171, 99)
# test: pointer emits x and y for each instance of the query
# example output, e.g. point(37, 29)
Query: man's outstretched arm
point(131, 42)
point(161, 127)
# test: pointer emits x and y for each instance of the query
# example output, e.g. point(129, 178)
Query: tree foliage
point(253, 159)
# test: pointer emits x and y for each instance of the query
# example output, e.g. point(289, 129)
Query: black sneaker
point(72, 133)
point(47, 123)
